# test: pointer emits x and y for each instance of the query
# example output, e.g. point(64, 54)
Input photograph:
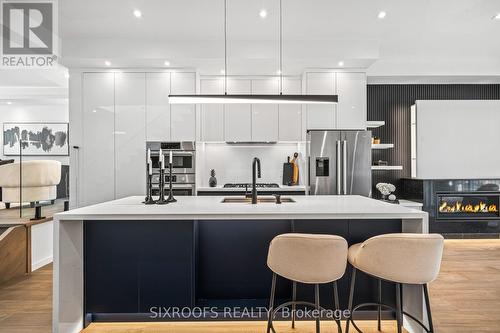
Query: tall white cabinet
point(95, 171)
point(118, 113)
point(130, 134)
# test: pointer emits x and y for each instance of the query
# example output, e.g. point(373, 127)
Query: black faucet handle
point(278, 198)
point(247, 194)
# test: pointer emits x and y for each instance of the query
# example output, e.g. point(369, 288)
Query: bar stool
point(310, 259)
point(399, 258)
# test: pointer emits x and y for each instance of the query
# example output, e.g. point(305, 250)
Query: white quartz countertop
point(211, 208)
point(409, 203)
point(282, 188)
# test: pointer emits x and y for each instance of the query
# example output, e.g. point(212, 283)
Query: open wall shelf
point(387, 167)
point(382, 145)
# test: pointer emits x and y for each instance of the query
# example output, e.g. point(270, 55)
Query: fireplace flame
point(458, 207)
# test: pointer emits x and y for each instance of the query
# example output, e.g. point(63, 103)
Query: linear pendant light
point(250, 98)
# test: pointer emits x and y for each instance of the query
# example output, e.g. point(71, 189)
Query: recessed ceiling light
point(222, 71)
point(137, 13)
point(9, 103)
point(166, 63)
point(341, 64)
point(278, 72)
point(107, 63)
point(496, 17)
point(263, 13)
point(381, 15)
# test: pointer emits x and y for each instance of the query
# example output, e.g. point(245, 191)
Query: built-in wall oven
point(183, 166)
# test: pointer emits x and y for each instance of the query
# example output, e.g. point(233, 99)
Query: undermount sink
point(259, 200)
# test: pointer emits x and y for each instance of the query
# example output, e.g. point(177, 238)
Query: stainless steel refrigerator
point(339, 162)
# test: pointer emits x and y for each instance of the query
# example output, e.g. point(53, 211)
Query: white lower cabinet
point(237, 117)
point(130, 134)
point(96, 170)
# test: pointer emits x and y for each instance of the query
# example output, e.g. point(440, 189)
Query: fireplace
point(464, 206)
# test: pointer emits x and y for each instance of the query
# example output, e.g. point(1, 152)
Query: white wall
point(26, 111)
point(42, 244)
point(233, 163)
point(457, 139)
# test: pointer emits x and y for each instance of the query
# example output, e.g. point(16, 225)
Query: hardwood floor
point(26, 303)
point(465, 298)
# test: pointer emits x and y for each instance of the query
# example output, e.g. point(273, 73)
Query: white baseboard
point(40, 263)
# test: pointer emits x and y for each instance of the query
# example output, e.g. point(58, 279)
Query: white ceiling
point(424, 37)
point(418, 38)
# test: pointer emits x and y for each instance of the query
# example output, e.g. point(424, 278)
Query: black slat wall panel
point(392, 103)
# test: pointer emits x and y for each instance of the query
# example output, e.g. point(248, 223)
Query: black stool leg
point(316, 299)
point(337, 306)
point(351, 294)
point(294, 299)
point(398, 307)
point(428, 306)
point(271, 305)
point(379, 312)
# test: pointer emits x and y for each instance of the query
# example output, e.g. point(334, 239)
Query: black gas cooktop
point(249, 185)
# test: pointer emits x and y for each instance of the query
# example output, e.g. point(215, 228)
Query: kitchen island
point(124, 261)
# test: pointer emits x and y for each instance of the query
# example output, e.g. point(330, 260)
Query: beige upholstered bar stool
point(399, 258)
point(310, 259)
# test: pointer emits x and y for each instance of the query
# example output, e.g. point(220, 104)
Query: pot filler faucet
point(255, 174)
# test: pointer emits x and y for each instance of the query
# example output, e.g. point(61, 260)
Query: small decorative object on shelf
point(380, 162)
point(212, 182)
point(386, 189)
point(375, 140)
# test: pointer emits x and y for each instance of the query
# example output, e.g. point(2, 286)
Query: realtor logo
point(27, 34)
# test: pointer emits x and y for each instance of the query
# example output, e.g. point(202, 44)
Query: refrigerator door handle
point(339, 168)
point(344, 166)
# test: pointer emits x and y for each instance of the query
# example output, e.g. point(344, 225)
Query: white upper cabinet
point(212, 115)
point(237, 117)
point(350, 112)
point(130, 134)
point(351, 109)
point(183, 116)
point(96, 155)
point(265, 117)
point(157, 107)
point(321, 116)
point(290, 115)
